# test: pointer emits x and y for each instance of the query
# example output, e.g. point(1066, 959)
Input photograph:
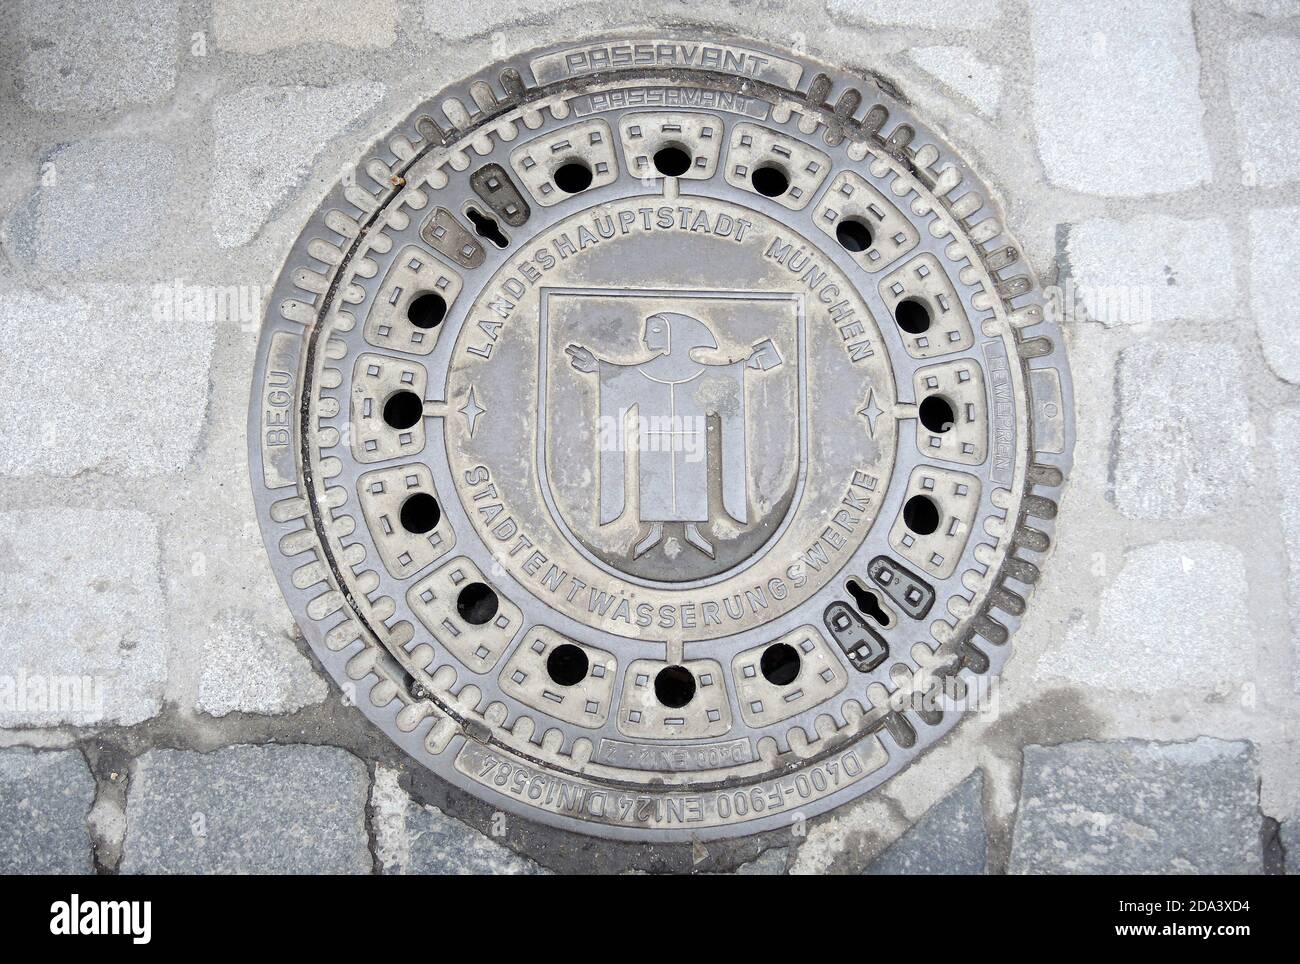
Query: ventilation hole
point(486, 227)
point(420, 513)
point(868, 602)
point(427, 310)
point(779, 664)
point(573, 178)
point(567, 664)
point(770, 180)
point(912, 316)
point(477, 603)
point(936, 414)
point(675, 686)
point(921, 515)
point(403, 409)
point(853, 234)
point(672, 161)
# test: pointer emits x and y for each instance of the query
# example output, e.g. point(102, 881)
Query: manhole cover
point(660, 436)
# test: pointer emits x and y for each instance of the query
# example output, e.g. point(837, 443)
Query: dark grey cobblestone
point(45, 796)
point(1139, 808)
point(949, 839)
point(247, 809)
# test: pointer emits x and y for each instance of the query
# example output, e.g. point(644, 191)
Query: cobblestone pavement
point(158, 710)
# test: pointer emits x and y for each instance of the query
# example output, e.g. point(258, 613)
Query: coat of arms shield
point(673, 432)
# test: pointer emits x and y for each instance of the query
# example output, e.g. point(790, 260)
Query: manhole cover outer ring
point(311, 286)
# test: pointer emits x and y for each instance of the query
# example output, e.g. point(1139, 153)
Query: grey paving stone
point(949, 839)
point(1139, 808)
point(415, 839)
point(87, 212)
point(1265, 8)
point(1158, 269)
point(1094, 136)
point(1286, 451)
point(249, 669)
point(1265, 101)
point(96, 56)
point(45, 797)
point(934, 15)
point(1150, 634)
point(260, 160)
point(959, 69)
point(1274, 253)
point(1183, 435)
point(247, 809)
point(94, 377)
point(447, 18)
point(261, 26)
point(770, 863)
point(82, 617)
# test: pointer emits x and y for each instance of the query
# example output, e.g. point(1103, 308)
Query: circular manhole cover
point(660, 436)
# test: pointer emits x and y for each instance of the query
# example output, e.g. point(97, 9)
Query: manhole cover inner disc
point(660, 437)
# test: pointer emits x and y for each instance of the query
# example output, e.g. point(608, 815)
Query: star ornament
point(471, 410)
point(871, 411)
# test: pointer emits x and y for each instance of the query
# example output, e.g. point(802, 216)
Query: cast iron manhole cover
point(660, 436)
